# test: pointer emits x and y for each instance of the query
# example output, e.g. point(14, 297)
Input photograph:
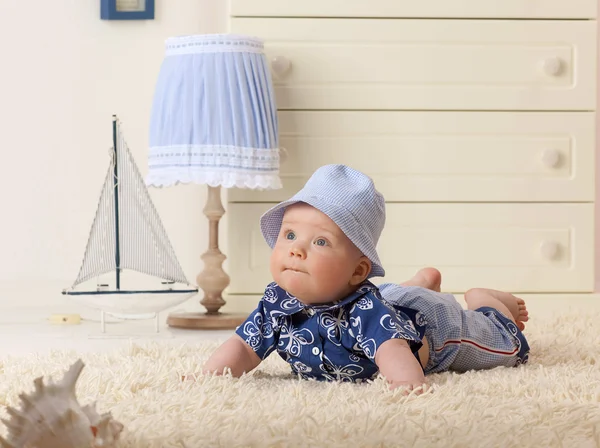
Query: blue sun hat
point(349, 198)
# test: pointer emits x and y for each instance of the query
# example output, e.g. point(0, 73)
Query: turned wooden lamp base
point(212, 280)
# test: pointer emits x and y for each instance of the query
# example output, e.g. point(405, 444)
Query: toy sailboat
point(127, 234)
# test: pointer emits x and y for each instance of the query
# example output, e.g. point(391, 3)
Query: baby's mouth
point(295, 270)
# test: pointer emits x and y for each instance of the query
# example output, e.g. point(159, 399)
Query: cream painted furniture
point(477, 121)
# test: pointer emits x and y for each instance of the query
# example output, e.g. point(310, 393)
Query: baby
point(325, 317)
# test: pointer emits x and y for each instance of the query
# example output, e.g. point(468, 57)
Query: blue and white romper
point(339, 340)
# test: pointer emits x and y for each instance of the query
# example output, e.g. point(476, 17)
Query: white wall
point(64, 73)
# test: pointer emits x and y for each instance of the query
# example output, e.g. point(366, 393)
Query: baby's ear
point(361, 272)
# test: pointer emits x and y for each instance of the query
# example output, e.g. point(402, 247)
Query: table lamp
point(213, 122)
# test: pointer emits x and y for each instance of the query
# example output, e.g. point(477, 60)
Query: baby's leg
point(512, 307)
point(429, 278)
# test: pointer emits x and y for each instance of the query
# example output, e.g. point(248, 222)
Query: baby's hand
point(410, 387)
point(399, 366)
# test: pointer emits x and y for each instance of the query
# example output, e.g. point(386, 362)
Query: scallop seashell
point(51, 417)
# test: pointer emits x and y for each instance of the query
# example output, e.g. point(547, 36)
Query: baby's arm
point(235, 354)
point(399, 365)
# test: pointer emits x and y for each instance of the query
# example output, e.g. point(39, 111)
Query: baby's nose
point(298, 252)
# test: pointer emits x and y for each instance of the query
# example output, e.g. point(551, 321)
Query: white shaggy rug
point(552, 401)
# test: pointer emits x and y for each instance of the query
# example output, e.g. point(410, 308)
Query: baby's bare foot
point(429, 278)
point(516, 306)
point(523, 315)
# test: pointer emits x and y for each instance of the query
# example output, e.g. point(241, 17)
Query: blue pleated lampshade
point(214, 117)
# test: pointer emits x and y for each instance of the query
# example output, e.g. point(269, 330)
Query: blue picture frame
point(108, 11)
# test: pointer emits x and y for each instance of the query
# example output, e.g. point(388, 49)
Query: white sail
point(100, 253)
point(143, 242)
point(145, 246)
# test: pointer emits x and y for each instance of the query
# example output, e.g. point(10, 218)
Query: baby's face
point(313, 259)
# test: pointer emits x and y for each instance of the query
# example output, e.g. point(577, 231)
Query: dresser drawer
point(559, 9)
point(514, 247)
point(443, 156)
point(429, 64)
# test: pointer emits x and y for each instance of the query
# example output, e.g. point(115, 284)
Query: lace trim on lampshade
point(184, 175)
point(213, 44)
point(228, 166)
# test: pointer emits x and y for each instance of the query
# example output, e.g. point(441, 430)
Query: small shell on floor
point(51, 417)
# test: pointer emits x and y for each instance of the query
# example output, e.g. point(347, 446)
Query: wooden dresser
point(477, 121)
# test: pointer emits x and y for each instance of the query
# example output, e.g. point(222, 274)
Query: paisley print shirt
point(334, 341)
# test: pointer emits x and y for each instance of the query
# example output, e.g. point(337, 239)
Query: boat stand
point(103, 322)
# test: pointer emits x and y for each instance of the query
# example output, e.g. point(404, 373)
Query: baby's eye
point(290, 235)
point(321, 242)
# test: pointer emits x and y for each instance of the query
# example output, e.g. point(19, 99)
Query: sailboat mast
point(116, 190)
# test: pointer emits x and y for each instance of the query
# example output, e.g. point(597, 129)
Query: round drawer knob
point(553, 66)
point(280, 65)
point(551, 158)
point(549, 249)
